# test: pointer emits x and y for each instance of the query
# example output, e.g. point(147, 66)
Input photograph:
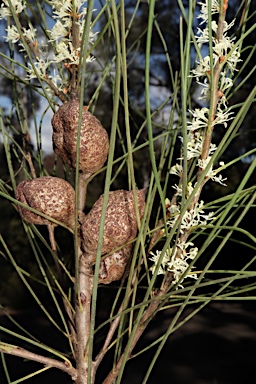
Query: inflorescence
point(225, 56)
point(60, 44)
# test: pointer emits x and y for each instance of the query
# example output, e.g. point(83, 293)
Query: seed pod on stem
point(120, 224)
point(49, 195)
point(113, 266)
point(94, 142)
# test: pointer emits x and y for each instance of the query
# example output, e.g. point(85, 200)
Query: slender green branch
point(13, 350)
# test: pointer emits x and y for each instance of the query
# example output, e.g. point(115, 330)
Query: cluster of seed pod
point(55, 197)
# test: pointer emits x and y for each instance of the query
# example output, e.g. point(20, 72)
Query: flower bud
point(49, 195)
point(94, 143)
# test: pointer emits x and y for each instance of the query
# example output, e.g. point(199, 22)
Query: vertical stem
point(83, 182)
point(214, 95)
point(76, 45)
point(83, 317)
point(84, 287)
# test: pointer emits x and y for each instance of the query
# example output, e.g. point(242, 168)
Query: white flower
point(200, 119)
point(177, 169)
point(4, 12)
point(81, 30)
point(204, 10)
point(60, 29)
point(178, 189)
point(40, 69)
point(233, 59)
point(66, 52)
point(30, 33)
point(190, 189)
point(12, 34)
point(82, 12)
point(193, 218)
point(205, 90)
point(202, 35)
point(195, 145)
point(18, 6)
point(175, 260)
point(63, 9)
point(222, 47)
point(219, 179)
point(56, 79)
point(164, 260)
point(211, 174)
point(221, 117)
point(174, 210)
point(203, 67)
point(225, 82)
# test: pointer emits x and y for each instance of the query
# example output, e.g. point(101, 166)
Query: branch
point(65, 366)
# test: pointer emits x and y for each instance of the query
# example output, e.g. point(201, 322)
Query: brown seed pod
point(113, 266)
point(94, 143)
point(120, 222)
point(49, 195)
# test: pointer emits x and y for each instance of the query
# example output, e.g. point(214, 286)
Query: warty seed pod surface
point(52, 196)
point(120, 224)
point(94, 142)
point(113, 266)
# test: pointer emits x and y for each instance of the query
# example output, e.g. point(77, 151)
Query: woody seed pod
point(49, 195)
point(120, 224)
point(94, 143)
point(113, 266)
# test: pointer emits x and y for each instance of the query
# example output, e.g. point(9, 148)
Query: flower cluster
point(17, 5)
point(191, 219)
point(225, 57)
point(175, 260)
point(65, 37)
point(61, 33)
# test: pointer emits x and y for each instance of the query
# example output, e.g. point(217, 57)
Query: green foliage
point(141, 88)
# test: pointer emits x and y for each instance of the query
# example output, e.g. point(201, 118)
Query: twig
point(65, 366)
